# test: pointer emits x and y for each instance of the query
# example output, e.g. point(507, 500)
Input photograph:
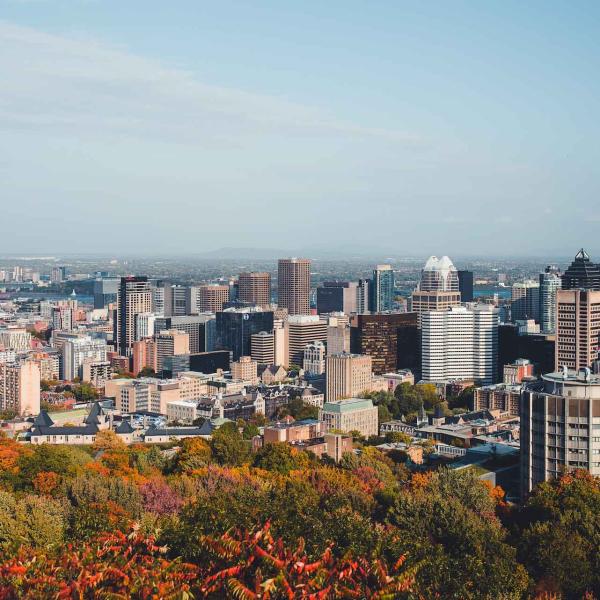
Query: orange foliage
point(420, 481)
point(45, 482)
point(10, 451)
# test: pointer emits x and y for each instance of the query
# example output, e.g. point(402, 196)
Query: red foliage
point(243, 566)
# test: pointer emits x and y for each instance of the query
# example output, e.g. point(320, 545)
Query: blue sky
point(402, 127)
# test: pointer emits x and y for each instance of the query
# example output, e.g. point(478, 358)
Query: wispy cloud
point(83, 86)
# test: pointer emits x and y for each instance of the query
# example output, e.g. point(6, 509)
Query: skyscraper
point(255, 288)
point(525, 301)
point(293, 285)
point(347, 375)
point(134, 297)
point(460, 343)
point(382, 289)
point(550, 282)
point(337, 296)
point(577, 328)
point(303, 330)
point(175, 301)
point(558, 426)
point(390, 339)
point(465, 285)
point(105, 291)
point(211, 297)
point(582, 273)
point(235, 327)
point(438, 287)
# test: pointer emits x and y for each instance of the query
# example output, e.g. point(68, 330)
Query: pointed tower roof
point(582, 273)
point(43, 419)
point(94, 416)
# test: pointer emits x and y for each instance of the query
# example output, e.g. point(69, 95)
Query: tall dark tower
point(582, 273)
point(465, 285)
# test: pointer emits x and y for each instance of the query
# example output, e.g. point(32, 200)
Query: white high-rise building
point(439, 275)
point(550, 282)
point(76, 351)
point(314, 358)
point(460, 343)
point(144, 325)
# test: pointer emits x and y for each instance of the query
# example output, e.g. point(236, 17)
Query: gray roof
point(124, 427)
point(85, 430)
point(43, 419)
point(176, 431)
point(95, 413)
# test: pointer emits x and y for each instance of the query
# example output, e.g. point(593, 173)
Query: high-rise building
point(293, 285)
point(347, 375)
point(582, 273)
point(20, 388)
point(211, 297)
point(235, 326)
point(338, 296)
point(439, 275)
point(338, 338)
point(134, 297)
point(255, 288)
point(558, 426)
point(62, 318)
point(245, 369)
point(15, 338)
point(105, 291)
point(144, 325)
point(465, 285)
point(303, 330)
point(362, 296)
point(353, 414)
point(314, 358)
point(382, 289)
point(175, 301)
point(200, 328)
point(525, 301)
point(577, 328)
point(76, 351)
point(550, 282)
point(144, 355)
point(58, 274)
point(390, 339)
point(460, 343)
point(262, 347)
point(158, 297)
point(438, 287)
point(171, 342)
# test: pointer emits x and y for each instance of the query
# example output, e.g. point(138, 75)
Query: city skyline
point(472, 123)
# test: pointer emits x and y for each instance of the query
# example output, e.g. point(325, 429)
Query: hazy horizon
point(408, 129)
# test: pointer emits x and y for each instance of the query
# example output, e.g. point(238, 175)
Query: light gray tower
point(550, 282)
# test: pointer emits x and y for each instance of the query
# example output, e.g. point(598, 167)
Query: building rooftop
point(347, 405)
point(581, 377)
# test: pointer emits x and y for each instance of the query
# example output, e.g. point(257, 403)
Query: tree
point(228, 446)
point(31, 520)
point(195, 453)
point(396, 437)
point(86, 392)
point(446, 524)
point(147, 372)
point(65, 461)
point(159, 498)
point(108, 440)
point(280, 457)
point(560, 535)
